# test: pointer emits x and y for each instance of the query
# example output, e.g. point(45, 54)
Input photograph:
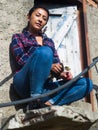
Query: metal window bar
point(17, 102)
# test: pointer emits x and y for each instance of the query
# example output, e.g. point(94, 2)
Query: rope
point(22, 101)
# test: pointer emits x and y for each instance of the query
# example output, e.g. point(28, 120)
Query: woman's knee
point(44, 52)
point(87, 83)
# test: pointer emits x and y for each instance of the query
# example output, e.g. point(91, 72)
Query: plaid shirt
point(24, 44)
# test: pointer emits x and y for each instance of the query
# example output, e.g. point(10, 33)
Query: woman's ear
point(28, 17)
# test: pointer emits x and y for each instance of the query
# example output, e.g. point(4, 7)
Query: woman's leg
point(40, 69)
point(75, 92)
point(30, 79)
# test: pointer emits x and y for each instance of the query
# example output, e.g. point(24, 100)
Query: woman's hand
point(57, 68)
point(66, 75)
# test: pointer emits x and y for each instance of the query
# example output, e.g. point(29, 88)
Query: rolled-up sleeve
point(56, 58)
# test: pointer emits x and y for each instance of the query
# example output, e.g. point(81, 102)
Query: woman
point(36, 58)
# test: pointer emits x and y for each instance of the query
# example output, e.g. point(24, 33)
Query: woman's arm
point(18, 50)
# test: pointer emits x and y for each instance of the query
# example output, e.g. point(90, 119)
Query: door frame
point(83, 33)
point(82, 26)
point(83, 30)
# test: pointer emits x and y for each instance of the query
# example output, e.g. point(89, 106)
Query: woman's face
point(38, 19)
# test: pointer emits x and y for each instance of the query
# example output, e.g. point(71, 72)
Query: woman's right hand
point(56, 67)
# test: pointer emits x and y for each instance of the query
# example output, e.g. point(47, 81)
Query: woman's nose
point(40, 19)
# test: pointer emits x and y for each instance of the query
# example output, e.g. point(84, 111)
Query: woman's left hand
point(66, 75)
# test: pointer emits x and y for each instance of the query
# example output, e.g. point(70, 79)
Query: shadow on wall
point(96, 89)
point(13, 67)
point(12, 93)
point(15, 97)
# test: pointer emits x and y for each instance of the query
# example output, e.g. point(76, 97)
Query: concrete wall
point(12, 19)
point(92, 18)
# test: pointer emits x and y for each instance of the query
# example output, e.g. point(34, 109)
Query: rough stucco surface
point(12, 20)
point(92, 18)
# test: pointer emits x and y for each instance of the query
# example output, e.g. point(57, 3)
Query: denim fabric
point(74, 92)
point(32, 81)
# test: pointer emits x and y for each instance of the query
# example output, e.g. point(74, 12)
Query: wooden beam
point(86, 35)
point(92, 100)
point(91, 2)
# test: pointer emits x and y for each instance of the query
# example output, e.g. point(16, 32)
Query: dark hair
point(32, 10)
point(37, 7)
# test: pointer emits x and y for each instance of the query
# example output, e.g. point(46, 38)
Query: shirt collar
point(28, 34)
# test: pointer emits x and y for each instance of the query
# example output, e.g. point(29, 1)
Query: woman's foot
point(48, 103)
point(38, 105)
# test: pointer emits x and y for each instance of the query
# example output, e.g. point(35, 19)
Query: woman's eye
point(37, 14)
point(45, 19)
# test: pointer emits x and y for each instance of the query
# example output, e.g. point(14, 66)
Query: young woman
point(36, 58)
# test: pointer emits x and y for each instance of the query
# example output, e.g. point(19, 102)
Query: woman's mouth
point(38, 24)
